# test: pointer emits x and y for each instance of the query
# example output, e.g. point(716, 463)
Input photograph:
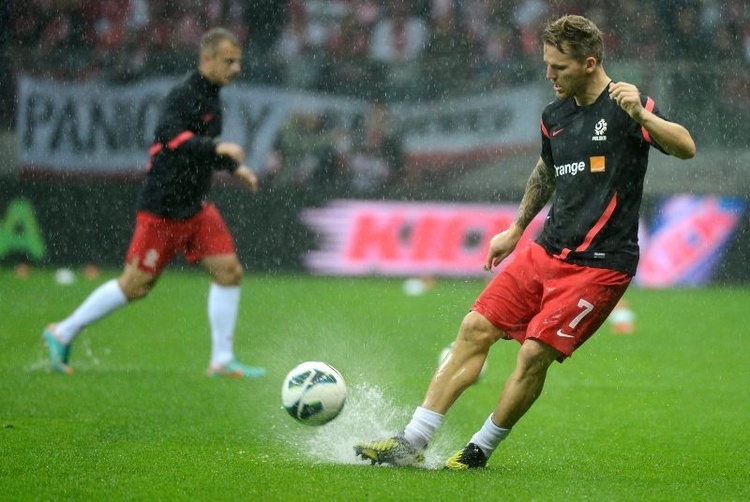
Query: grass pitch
point(658, 415)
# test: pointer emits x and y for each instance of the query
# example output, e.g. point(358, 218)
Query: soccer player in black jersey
point(173, 215)
point(555, 293)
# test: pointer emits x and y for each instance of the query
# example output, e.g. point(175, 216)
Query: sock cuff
point(489, 436)
point(218, 287)
point(217, 292)
point(429, 414)
point(423, 424)
point(114, 286)
point(497, 428)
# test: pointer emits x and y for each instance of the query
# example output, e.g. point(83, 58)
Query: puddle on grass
point(368, 415)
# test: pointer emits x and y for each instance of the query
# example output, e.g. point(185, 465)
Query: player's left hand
point(627, 97)
point(248, 177)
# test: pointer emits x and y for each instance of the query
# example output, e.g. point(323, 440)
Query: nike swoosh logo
point(563, 335)
point(555, 133)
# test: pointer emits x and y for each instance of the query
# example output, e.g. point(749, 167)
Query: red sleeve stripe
point(179, 139)
point(603, 219)
point(649, 107)
point(544, 130)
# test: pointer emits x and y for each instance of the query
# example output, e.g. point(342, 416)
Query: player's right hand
point(231, 150)
point(248, 177)
point(501, 245)
point(627, 97)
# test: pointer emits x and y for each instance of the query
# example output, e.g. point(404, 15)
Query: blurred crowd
point(393, 49)
point(366, 159)
point(384, 52)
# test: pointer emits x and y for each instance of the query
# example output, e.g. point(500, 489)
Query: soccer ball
point(444, 353)
point(313, 393)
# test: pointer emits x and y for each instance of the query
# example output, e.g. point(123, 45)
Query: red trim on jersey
point(649, 107)
point(603, 219)
point(155, 148)
point(179, 139)
point(176, 142)
point(544, 129)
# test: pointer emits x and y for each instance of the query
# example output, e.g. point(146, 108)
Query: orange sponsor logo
point(597, 164)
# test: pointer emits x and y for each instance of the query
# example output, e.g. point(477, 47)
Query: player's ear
point(591, 64)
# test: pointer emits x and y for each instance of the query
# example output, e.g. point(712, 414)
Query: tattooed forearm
point(539, 189)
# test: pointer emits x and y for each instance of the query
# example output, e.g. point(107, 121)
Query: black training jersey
point(183, 156)
point(598, 155)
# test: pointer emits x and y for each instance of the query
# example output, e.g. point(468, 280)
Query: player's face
point(220, 68)
point(568, 76)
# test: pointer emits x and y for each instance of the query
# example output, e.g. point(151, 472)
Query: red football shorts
point(156, 240)
point(539, 296)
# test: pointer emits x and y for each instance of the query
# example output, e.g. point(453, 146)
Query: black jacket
point(183, 157)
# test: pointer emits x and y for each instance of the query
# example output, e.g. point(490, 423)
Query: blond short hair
point(212, 38)
point(575, 36)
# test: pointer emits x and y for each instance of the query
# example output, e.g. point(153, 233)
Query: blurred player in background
point(557, 291)
point(173, 215)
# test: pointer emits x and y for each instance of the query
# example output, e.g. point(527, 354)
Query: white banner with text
point(94, 127)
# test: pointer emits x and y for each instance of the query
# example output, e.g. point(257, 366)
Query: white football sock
point(223, 306)
point(423, 425)
point(102, 301)
point(489, 436)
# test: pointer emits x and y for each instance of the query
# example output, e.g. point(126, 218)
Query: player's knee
point(134, 283)
point(235, 274)
point(230, 275)
point(135, 292)
point(139, 294)
point(476, 329)
point(535, 357)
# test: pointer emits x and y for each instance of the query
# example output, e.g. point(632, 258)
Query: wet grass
point(657, 415)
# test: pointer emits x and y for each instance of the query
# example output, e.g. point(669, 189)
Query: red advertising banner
point(386, 238)
point(688, 237)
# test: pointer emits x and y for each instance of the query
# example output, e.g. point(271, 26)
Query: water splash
point(84, 357)
point(368, 415)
